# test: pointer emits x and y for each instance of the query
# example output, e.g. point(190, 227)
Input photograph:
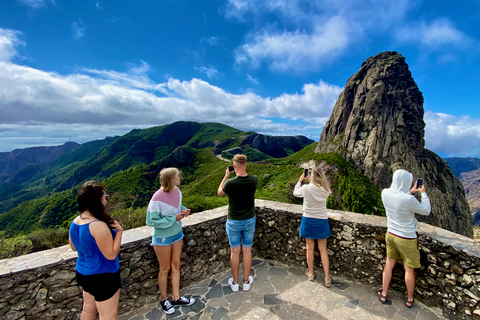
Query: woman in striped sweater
point(164, 214)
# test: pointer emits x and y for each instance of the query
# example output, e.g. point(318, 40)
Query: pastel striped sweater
point(161, 213)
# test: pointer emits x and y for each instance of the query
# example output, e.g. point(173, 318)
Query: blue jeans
point(168, 241)
point(240, 232)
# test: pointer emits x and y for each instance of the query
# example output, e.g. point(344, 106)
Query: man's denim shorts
point(168, 241)
point(240, 232)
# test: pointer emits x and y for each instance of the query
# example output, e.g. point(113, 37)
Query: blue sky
point(84, 70)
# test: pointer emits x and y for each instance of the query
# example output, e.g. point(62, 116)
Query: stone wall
point(42, 284)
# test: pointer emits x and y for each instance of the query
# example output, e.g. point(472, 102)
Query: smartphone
point(419, 183)
point(231, 168)
point(305, 172)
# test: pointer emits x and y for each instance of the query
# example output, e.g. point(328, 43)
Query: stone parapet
point(42, 285)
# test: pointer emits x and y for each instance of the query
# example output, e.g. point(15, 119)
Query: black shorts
point(101, 286)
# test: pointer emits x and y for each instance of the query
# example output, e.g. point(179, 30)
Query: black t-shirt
point(241, 197)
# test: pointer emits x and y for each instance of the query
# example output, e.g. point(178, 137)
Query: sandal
point(328, 283)
point(310, 277)
point(383, 299)
point(408, 303)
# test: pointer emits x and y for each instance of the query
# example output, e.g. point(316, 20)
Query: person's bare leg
point(175, 267)
point(387, 275)
point(164, 254)
point(322, 247)
point(108, 309)
point(235, 263)
point(310, 243)
point(89, 310)
point(247, 262)
point(409, 281)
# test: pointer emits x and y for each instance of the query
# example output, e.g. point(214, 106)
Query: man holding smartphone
point(401, 237)
point(241, 218)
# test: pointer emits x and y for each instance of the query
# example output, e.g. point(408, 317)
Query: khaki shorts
point(403, 249)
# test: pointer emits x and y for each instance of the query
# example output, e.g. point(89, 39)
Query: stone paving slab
point(283, 292)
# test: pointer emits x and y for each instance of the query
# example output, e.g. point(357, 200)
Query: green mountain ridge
point(128, 166)
point(102, 159)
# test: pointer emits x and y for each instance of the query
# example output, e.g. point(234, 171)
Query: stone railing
point(42, 285)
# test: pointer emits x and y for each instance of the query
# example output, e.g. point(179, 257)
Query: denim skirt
point(311, 228)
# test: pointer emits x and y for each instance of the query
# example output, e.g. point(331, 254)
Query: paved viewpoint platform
point(283, 292)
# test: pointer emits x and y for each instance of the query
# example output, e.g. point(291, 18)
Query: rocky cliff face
point(274, 146)
point(377, 124)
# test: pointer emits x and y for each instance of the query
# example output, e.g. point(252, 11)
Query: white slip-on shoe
point(234, 287)
point(246, 286)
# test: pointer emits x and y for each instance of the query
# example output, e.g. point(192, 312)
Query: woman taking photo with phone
point(314, 225)
point(164, 214)
point(97, 239)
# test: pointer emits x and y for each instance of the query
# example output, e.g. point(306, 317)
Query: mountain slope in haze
point(468, 171)
point(460, 165)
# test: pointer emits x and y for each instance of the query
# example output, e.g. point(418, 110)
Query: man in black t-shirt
point(241, 219)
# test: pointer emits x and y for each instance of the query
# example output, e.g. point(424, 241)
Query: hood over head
point(402, 181)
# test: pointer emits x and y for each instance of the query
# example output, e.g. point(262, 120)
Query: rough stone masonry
point(42, 285)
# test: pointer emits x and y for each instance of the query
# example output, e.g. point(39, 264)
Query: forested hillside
point(128, 166)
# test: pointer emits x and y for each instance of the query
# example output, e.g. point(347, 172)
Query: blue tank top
point(90, 259)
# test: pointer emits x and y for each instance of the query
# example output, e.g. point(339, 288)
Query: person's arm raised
point(220, 191)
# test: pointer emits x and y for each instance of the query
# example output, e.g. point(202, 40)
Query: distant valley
point(468, 171)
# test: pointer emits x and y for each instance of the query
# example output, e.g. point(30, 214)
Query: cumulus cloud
point(451, 135)
point(437, 34)
point(78, 29)
point(298, 50)
point(308, 37)
point(9, 41)
point(90, 104)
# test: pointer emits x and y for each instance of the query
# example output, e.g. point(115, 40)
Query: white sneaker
point(234, 287)
point(246, 286)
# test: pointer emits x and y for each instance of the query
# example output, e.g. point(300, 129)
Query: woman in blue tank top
point(97, 239)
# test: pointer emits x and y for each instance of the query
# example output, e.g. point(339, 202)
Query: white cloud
point(210, 71)
point(45, 106)
point(306, 37)
point(438, 34)
point(252, 79)
point(9, 40)
point(139, 69)
point(298, 50)
point(98, 6)
point(36, 4)
point(451, 135)
point(78, 29)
